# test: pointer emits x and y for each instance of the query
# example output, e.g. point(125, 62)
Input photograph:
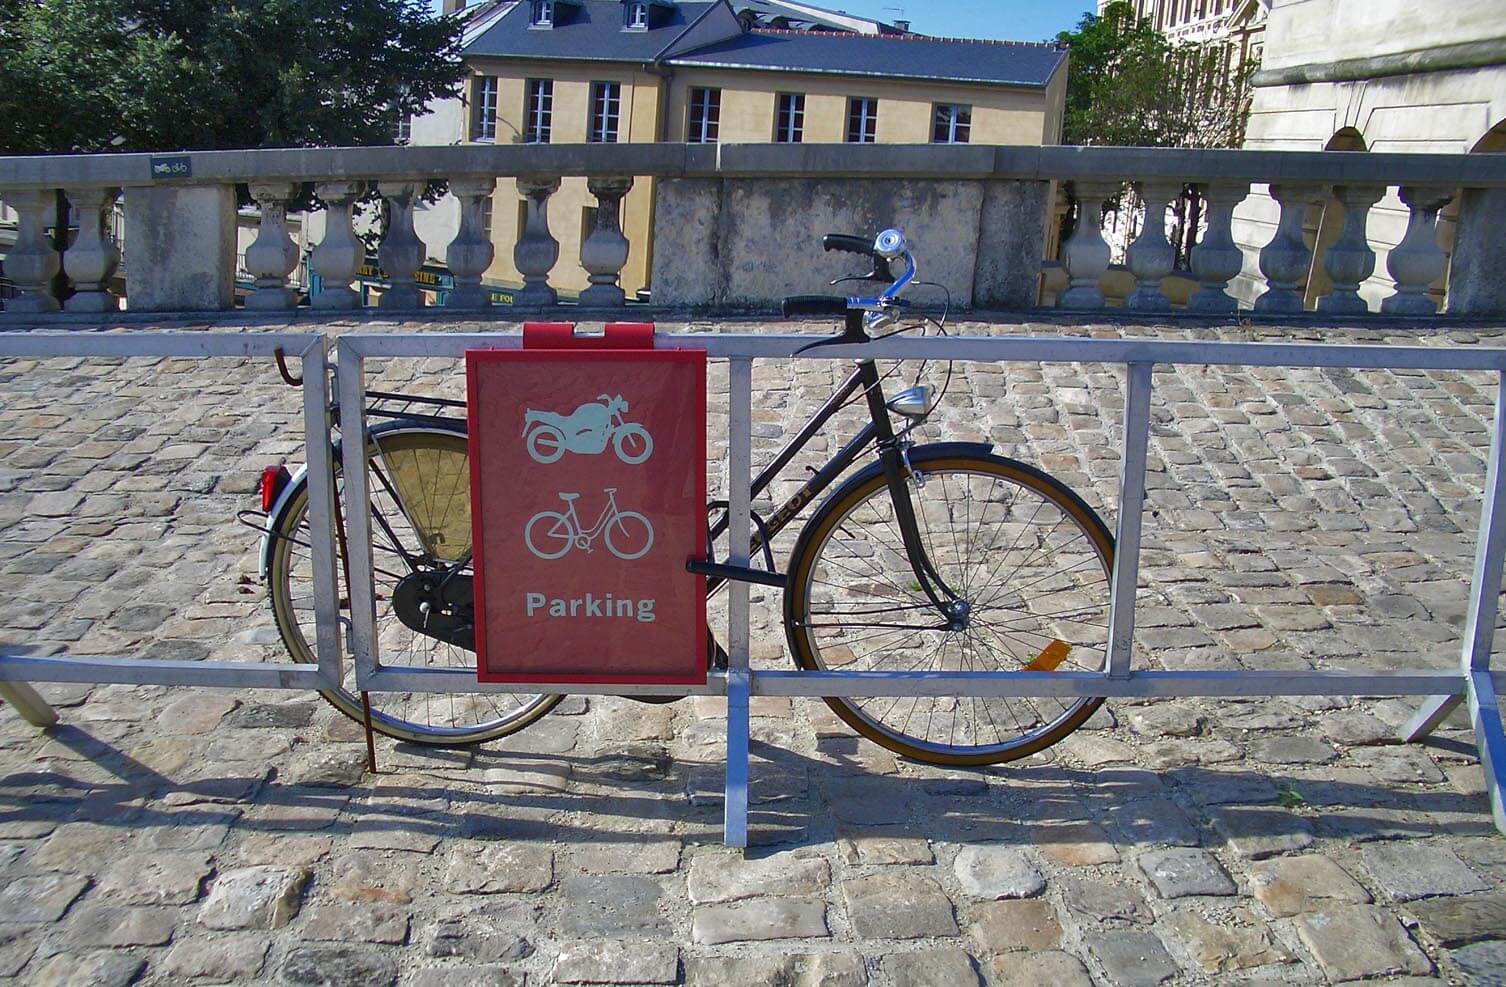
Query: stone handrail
point(736, 225)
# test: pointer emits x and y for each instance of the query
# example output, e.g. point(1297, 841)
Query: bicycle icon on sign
point(551, 535)
point(586, 432)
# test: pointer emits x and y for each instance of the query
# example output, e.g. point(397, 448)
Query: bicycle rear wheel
point(1028, 556)
point(421, 528)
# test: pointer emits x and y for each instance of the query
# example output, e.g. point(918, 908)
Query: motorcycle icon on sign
point(587, 432)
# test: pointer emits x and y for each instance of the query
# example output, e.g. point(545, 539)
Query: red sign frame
point(538, 601)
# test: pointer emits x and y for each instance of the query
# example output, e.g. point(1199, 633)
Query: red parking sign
point(588, 489)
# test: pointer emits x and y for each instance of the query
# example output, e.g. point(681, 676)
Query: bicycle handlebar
point(887, 247)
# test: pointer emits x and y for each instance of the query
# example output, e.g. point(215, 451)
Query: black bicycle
point(939, 556)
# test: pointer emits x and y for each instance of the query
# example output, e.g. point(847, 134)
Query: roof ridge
point(911, 36)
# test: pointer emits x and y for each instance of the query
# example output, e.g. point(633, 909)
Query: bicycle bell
point(891, 244)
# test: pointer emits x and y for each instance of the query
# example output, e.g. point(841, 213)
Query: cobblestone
point(1302, 520)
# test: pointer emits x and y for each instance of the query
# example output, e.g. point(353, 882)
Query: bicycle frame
point(880, 430)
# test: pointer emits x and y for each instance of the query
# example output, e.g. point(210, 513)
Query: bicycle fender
point(918, 454)
point(274, 518)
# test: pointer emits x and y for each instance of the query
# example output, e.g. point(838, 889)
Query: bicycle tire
point(288, 570)
point(840, 534)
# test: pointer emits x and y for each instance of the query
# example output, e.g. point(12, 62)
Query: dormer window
point(636, 15)
point(543, 13)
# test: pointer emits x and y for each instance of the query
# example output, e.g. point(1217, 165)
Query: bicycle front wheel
point(1027, 555)
point(421, 528)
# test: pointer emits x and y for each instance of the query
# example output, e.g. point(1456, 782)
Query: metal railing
point(1473, 682)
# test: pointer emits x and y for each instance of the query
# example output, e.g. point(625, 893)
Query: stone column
point(1085, 255)
point(605, 252)
point(1417, 261)
point(32, 262)
point(537, 251)
point(1012, 245)
point(273, 255)
point(93, 256)
point(339, 255)
point(1217, 259)
point(471, 252)
point(1475, 284)
point(402, 252)
point(1151, 256)
point(1286, 260)
point(1350, 261)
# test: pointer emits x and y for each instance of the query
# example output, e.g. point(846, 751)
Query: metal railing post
point(739, 548)
point(29, 704)
point(1126, 576)
point(1480, 626)
point(351, 374)
point(321, 511)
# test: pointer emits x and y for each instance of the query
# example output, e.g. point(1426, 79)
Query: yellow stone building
point(641, 71)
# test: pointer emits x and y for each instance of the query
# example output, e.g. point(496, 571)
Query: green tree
point(138, 75)
point(1130, 86)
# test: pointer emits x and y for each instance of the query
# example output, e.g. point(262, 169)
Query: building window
point(789, 122)
point(954, 124)
point(539, 111)
point(404, 128)
point(637, 15)
point(705, 116)
point(543, 13)
point(606, 110)
point(862, 121)
point(484, 103)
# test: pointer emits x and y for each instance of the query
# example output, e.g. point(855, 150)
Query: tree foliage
point(135, 75)
point(1130, 86)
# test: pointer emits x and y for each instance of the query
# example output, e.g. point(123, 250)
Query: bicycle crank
point(445, 613)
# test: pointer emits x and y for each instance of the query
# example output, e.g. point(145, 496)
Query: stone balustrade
point(736, 227)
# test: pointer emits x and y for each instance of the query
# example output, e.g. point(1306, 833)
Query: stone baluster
point(1217, 259)
point(1151, 256)
point(93, 256)
point(471, 252)
point(537, 251)
point(1417, 261)
point(32, 262)
point(402, 252)
point(1286, 260)
point(1350, 261)
point(340, 254)
point(273, 255)
point(1085, 255)
point(605, 251)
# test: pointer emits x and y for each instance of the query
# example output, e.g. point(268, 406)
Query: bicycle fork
point(947, 600)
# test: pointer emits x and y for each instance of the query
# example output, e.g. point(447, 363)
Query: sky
point(1006, 20)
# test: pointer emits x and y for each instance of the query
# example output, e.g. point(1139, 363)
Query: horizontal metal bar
point(1032, 349)
point(414, 678)
point(136, 671)
point(140, 343)
point(1146, 684)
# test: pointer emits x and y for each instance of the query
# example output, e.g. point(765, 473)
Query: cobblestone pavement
point(1301, 519)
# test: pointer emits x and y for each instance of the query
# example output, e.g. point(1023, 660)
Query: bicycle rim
point(1031, 559)
point(420, 499)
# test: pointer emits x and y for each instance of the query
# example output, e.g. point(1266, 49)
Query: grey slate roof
point(906, 57)
point(593, 32)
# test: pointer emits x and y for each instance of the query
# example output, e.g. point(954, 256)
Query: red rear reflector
point(273, 479)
